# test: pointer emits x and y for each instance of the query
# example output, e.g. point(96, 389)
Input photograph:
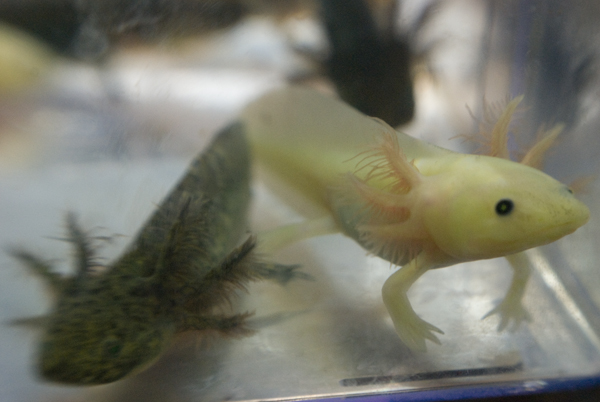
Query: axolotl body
point(181, 268)
point(414, 204)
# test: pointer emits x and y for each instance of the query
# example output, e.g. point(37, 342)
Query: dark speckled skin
point(180, 267)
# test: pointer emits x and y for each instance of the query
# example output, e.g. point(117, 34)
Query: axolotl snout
point(479, 207)
point(412, 203)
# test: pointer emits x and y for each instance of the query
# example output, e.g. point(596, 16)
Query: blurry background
point(104, 103)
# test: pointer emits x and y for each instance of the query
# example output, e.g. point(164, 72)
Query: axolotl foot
point(412, 330)
point(512, 314)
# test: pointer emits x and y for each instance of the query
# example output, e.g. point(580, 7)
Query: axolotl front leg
point(511, 308)
point(411, 329)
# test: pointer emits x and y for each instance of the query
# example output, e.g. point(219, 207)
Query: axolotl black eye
point(504, 207)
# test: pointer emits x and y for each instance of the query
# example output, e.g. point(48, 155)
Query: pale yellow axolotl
point(407, 201)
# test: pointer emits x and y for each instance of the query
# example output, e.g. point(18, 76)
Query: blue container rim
point(519, 388)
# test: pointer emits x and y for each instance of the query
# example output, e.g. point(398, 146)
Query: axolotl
point(411, 203)
point(179, 271)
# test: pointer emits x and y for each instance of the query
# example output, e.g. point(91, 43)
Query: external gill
point(385, 196)
point(84, 259)
point(381, 205)
point(535, 156)
point(495, 140)
point(386, 162)
point(499, 136)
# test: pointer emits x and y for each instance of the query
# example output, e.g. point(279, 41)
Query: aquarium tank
point(107, 106)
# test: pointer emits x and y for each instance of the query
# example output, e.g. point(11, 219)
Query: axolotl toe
point(183, 265)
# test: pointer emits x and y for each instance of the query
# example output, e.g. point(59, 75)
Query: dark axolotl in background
point(183, 266)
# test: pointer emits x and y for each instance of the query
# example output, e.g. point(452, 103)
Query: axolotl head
point(485, 207)
point(96, 336)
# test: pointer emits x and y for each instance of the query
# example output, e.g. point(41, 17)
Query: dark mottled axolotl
point(180, 268)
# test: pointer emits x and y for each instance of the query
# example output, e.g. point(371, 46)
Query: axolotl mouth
point(556, 232)
point(573, 219)
point(564, 220)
